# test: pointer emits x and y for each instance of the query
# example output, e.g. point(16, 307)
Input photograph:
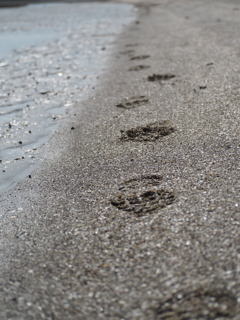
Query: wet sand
point(135, 213)
point(51, 54)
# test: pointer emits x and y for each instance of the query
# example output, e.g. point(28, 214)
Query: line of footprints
point(143, 195)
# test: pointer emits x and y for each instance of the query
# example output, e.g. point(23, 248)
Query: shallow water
point(50, 57)
point(11, 41)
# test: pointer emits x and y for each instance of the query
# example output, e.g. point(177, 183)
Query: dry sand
point(135, 213)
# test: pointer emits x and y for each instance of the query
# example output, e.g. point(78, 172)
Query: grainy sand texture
point(135, 213)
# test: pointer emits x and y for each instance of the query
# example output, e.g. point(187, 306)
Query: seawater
point(50, 55)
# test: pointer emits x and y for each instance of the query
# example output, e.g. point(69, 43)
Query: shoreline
point(76, 242)
point(39, 99)
point(19, 3)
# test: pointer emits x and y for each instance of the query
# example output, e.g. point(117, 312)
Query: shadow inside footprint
point(160, 77)
point(142, 195)
point(145, 202)
point(150, 132)
point(142, 57)
point(138, 68)
point(132, 102)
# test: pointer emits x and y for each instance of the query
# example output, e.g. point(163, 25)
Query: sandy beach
point(134, 213)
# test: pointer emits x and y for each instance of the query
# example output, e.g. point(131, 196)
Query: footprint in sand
point(150, 132)
point(127, 52)
point(142, 57)
point(133, 102)
point(131, 45)
point(202, 303)
point(142, 195)
point(161, 77)
point(138, 68)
